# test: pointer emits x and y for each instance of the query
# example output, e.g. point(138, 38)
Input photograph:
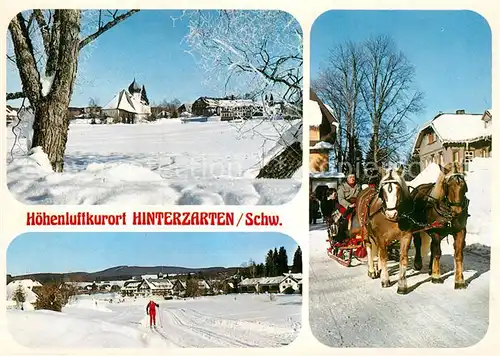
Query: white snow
point(47, 83)
point(234, 320)
point(160, 163)
point(314, 117)
point(322, 144)
point(348, 309)
point(429, 175)
point(27, 287)
point(479, 184)
point(460, 127)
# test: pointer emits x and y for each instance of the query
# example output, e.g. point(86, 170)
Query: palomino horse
point(449, 190)
point(378, 215)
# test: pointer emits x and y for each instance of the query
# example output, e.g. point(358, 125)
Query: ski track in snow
point(348, 309)
point(248, 321)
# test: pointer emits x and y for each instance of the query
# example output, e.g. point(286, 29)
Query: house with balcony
point(454, 137)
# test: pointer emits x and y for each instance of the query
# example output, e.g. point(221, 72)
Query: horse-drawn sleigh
point(389, 217)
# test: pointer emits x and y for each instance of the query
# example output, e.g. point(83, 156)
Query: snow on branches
point(248, 51)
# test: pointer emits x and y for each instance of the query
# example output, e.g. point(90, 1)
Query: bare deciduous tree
point(340, 84)
point(370, 87)
point(388, 92)
point(258, 52)
point(46, 46)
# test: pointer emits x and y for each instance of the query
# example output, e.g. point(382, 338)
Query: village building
point(179, 288)
point(454, 137)
point(230, 108)
point(277, 284)
point(129, 106)
point(322, 144)
point(206, 106)
point(131, 288)
point(185, 109)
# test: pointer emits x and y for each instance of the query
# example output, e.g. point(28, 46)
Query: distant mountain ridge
point(124, 272)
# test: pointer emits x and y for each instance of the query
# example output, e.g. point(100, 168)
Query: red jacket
point(151, 307)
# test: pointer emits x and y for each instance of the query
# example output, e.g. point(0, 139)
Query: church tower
point(135, 90)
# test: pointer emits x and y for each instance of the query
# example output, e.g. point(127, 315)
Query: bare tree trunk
point(285, 164)
point(50, 128)
point(376, 129)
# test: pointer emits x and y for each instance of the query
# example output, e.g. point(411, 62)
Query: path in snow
point(348, 309)
point(222, 321)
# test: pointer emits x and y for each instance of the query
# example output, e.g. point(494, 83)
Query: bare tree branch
point(106, 27)
point(14, 96)
point(23, 48)
point(44, 28)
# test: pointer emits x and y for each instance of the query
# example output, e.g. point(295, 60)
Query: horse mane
point(437, 191)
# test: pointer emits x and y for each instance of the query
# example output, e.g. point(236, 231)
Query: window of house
point(469, 156)
point(456, 156)
point(441, 159)
point(431, 138)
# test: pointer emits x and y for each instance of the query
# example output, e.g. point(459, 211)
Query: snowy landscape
point(348, 309)
point(160, 163)
point(236, 320)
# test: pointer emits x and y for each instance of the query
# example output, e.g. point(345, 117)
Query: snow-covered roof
point(297, 276)
point(456, 128)
point(322, 145)
point(262, 281)
point(123, 101)
point(332, 175)
point(131, 284)
point(159, 283)
point(316, 116)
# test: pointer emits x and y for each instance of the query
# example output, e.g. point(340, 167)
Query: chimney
point(460, 112)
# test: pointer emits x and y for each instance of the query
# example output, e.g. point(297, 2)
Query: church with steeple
point(129, 105)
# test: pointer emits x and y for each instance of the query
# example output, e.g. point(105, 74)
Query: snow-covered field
point(348, 309)
point(243, 320)
point(165, 162)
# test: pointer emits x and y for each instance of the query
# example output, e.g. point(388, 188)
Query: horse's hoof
point(402, 290)
point(437, 280)
point(373, 275)
point(417, 266)
point(460, 285)
point(386, 284)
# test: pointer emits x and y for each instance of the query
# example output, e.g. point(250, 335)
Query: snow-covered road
point(222, 321)
point(348, 309)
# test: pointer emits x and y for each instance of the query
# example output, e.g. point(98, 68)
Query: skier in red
point(151, 311)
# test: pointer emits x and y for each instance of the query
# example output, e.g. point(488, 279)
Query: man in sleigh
point(343, 215)
point(343, 225)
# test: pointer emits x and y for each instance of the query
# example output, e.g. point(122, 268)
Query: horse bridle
point(462, 203)
point(384, 206)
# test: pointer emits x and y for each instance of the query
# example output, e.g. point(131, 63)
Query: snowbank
point(161, 163)
point(27, 287)
point(429, 175)
point(30, 329)
point(479, 184)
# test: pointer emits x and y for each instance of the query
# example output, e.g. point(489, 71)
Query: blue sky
point(90, 252)
point(146, 46)
point(451, 52)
